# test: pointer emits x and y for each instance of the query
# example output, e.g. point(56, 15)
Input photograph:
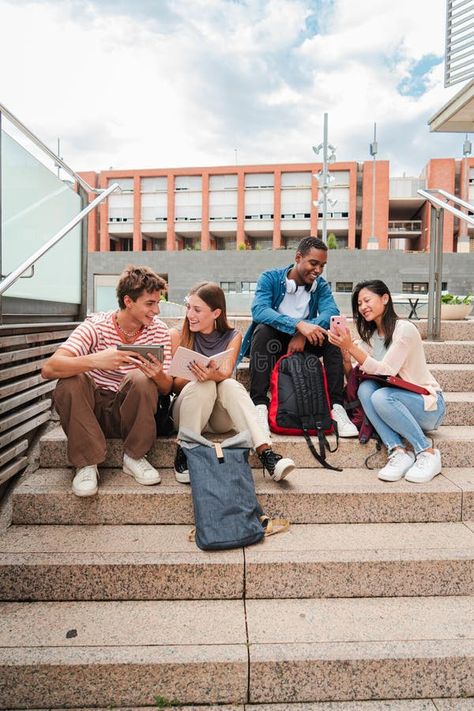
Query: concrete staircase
point(365, 604)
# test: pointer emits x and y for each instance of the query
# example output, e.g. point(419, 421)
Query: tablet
point(153, 348)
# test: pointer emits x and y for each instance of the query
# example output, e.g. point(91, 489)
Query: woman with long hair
point(214, 400)
point(393, 346)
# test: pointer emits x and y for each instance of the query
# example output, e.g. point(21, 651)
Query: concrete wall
point(185, 268)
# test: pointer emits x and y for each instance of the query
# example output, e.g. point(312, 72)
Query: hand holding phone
point(338, 325)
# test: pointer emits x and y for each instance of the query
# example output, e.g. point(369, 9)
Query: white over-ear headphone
point(291, 286)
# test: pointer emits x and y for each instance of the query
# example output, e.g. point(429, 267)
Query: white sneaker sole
point(83, 494)
point(148, 482)
point(283, 469)
point(425, 480)
point(182, 477)
point(390, 477)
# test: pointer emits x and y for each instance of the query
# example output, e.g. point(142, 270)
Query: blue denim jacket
point(271, 289)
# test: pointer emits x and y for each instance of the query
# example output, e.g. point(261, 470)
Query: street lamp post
point(372, 242)
point(463, 238)
point(324, 177)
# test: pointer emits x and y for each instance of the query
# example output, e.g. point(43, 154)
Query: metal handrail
point(428, 195)
point(16, 274)
point(436, 252)
point(39, 143)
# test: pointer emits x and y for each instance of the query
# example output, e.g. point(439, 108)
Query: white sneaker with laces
point(141, 470)
point(425, 468)
point(262, 419)
point(85, 481)
point(345, 427)
point(399, 462)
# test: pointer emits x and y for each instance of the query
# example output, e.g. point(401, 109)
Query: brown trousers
point(89, 415)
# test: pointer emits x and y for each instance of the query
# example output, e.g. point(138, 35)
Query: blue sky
point(158, 83)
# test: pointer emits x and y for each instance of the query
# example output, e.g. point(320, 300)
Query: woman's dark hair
point(389, 319)
point(212, 295)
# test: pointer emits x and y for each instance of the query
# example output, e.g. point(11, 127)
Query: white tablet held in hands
point(182, 359)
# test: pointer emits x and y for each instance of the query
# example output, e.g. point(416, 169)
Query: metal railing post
point(435, 276)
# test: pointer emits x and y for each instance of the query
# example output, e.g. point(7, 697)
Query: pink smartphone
point(336, 323)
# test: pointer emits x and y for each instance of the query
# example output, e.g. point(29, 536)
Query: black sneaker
point(181, 470)
point(277, 466)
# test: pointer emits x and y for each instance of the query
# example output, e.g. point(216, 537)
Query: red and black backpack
point(300, 402)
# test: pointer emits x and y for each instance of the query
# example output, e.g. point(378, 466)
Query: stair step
point(377, 648)
point(453, 377)
point(114, 563)
point(456, 444)
point(57, 654)
point(459, 408)
point(386, 705)
point(308, 496)
point(449, 351)
point(122, 653)
point(159, 562)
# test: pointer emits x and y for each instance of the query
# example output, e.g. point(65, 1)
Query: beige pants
point(218, 407)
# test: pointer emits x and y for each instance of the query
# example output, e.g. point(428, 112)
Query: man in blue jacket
point(290, 312)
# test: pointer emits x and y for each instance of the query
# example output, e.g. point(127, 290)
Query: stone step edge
point(433, 704)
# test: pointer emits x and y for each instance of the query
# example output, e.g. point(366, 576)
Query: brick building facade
point(274, 206)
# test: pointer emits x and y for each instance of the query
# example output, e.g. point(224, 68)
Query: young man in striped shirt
point(104, 392)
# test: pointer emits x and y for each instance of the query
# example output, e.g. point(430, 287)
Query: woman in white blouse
point(392, 346)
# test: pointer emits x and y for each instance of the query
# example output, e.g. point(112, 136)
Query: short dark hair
point(134, 281)
point(309, 243)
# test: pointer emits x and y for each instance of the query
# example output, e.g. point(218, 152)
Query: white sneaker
point(345, 427)
point(262, 419)
point(399, 462)
point(85, 481)
point(425, 468)
point(141, 470)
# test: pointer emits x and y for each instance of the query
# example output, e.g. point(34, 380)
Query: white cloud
point(140, 83)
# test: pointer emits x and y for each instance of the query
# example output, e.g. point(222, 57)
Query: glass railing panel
point(35, 204)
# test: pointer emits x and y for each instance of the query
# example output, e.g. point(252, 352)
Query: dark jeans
point(268, 345)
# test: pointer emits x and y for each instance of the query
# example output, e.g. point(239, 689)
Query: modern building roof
point(457, 116)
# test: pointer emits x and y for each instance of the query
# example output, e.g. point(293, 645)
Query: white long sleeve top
point(405, 357)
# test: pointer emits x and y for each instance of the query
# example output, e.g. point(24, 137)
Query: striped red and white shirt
point(99, 332)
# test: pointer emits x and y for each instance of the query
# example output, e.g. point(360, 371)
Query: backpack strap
point(310, 399)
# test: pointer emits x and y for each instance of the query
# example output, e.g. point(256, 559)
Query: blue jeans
point(397, 414)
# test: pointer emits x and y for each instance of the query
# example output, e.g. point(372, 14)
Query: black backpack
point(300, 402)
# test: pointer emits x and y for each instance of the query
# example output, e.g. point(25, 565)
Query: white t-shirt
point(296, 304)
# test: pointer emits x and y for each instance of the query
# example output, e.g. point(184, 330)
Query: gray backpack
point(226, 511)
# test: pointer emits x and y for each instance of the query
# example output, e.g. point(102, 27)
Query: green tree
point(332, 241)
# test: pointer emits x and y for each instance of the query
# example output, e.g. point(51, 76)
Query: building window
point(229, 287)
point(344, 286)
point(419, 287)
point(248, 287)
point(414, 287)
point(127, 244)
